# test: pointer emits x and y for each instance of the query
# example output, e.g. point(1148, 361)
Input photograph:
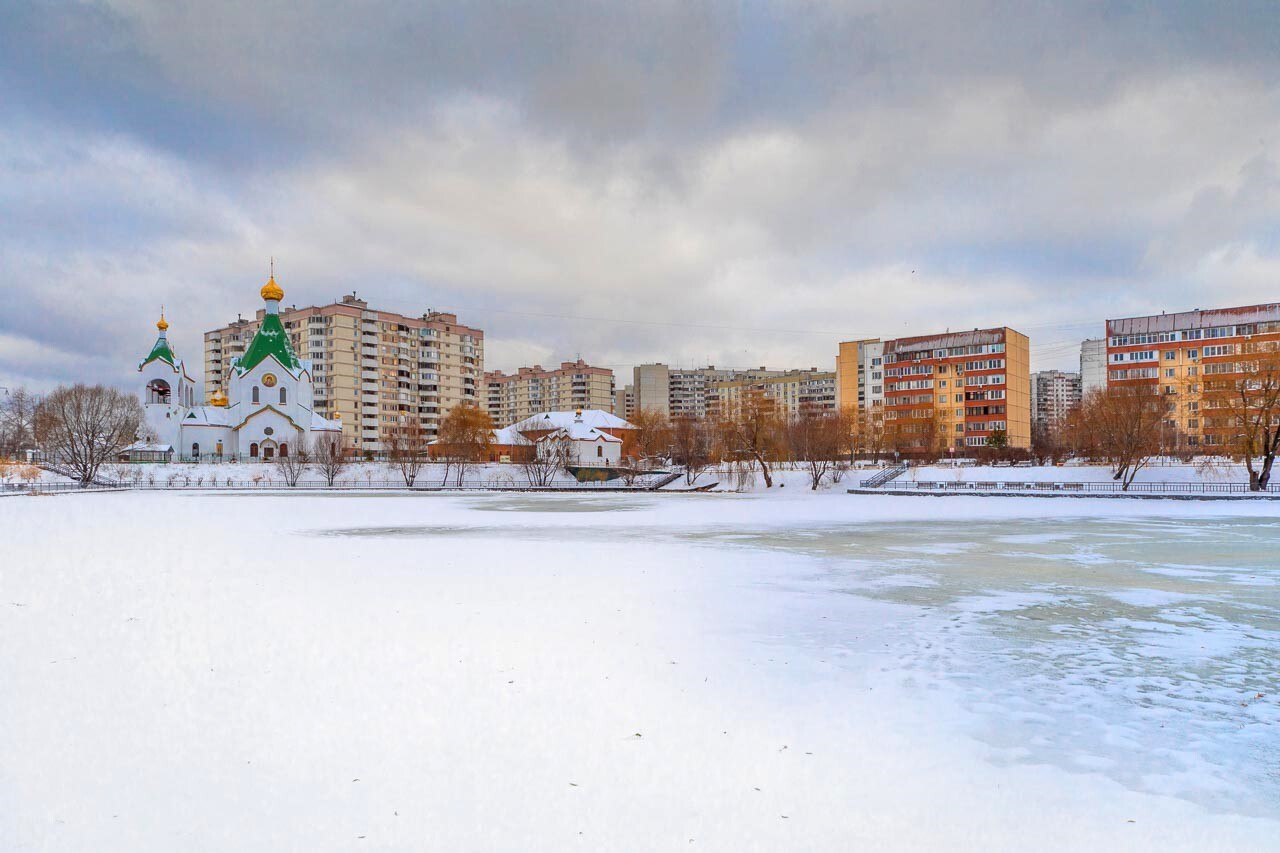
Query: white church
point(265, 412)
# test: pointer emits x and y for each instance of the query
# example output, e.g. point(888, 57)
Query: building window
point(195, 450)
point(255, 398)
point(284, 398)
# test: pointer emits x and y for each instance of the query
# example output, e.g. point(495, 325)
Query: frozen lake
point(498, 672)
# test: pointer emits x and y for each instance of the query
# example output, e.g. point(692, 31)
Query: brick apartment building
point(1182, 354)
point(952, 390)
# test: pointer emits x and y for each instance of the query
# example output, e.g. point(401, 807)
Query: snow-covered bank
point(725, 672)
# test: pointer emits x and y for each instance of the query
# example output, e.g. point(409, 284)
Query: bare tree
point(1242, 410)
point(1048, 442)
point(17, 421)
point(692, 445)
point(329, 452)
point(753, 429)
point(1121, 425)
point(84, 426)
point(540, 464)
point(407, 448)
point(292, 464)
point(466, 434)
point(849, 436)
point(816, 438)
point(652, 435)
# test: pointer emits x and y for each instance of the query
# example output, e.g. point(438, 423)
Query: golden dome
point(271, 290)
point(218, 399)
point(162, 324)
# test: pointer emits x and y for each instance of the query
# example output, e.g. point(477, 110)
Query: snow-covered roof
point(144, 447)
point(508, 435)
point(319, 423)
point(556, 420)
point(207, 416)
point(582, 432)
point(505, 436)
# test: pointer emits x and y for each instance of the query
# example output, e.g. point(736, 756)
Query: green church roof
point(271, 339)
point(161, 351)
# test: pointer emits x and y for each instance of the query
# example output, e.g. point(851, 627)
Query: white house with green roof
point(266, 412)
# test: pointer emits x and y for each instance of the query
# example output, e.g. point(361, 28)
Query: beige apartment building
point(793, 391)
point(512, 397)
point(375, 370)
point(1191, 359)
point(682, 391)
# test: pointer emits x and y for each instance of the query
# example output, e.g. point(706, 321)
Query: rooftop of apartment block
point(946, 340)
point(1197, 319)
point(353, 306)
point(538, 371)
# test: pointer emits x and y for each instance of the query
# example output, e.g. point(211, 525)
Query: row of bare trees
point(756, 435)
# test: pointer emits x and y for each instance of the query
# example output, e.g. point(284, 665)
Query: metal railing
point(1162, 488)
point(53, 488)
point(384, 485)
point(884, 476)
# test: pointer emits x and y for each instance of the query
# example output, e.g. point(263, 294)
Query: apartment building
point(512, 397)
point(1054, 393)
point(1179, 354)
point(1093, 365)
point(860, 375)
point(948, 390)
point(651, 387)
point(624, 402)
point(794, 391)
point(686, 392)
point(375, 370)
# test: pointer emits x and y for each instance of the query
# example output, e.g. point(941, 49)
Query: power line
point(712, 326)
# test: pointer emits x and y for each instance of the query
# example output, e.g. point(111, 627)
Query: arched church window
point(195, 450)
point(284, 448)
point(284, 396)
point(255, 394)
point(253, 448)
point(599, 451)
point(158, 391)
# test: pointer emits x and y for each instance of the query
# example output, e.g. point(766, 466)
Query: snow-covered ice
point(796, 671)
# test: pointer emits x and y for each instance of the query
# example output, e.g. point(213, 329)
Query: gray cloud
point(744, 184)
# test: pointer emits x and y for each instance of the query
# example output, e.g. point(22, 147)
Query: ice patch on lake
point(1143, 650)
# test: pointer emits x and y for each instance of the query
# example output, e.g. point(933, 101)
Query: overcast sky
point(737, 183)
